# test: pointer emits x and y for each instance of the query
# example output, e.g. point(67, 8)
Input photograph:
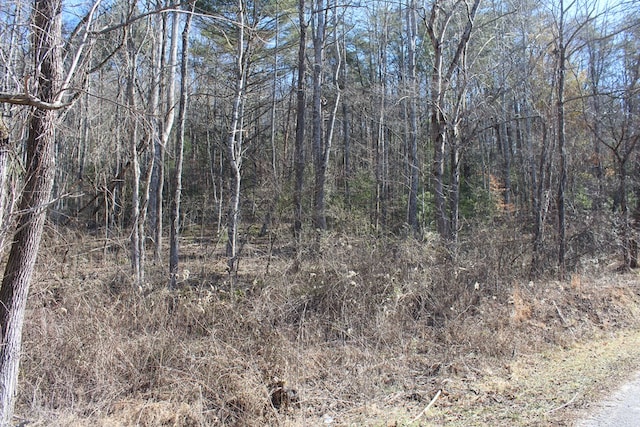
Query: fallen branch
point(424, 411)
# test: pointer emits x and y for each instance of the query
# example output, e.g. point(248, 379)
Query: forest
point(301, 174)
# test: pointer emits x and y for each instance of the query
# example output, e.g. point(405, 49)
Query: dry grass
point(366, 331)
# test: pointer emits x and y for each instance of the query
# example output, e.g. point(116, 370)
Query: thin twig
point(424, 411)
point(564, 321)
point(564, 405)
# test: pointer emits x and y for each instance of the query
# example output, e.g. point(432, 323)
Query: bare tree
point(614, 67)
point(163, 115)
point(438, 24)
point(569, 23)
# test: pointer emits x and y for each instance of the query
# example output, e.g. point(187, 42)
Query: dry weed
point(361, 328)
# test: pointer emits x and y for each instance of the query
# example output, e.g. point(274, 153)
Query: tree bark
point(4, 173)
point(34, 199)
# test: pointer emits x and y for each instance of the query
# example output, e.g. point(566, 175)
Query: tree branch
point(32, 101)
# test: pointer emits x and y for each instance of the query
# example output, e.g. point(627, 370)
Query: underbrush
point(356, 325)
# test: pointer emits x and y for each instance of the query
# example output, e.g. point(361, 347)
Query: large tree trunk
point(439, 199)
point(437, 124)
point(36, 194)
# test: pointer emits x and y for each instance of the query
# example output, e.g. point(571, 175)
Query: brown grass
point(366, 331)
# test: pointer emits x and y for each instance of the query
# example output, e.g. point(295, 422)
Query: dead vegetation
point(365, 332)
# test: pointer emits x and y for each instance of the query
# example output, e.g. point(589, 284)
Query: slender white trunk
point(165, 134)
point(234, 146)
point(175, 207)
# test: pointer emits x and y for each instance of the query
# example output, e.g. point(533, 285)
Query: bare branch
point(32, 101)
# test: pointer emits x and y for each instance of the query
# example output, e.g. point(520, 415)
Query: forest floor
point(364, 333)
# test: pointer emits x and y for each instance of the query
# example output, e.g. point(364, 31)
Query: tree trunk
point(594, 81)
point(137, 241)
point(155, 112)
point(235, 142)
point(439, 146)
point(437, 30)
point(635, 221)
point(319, 28)
point(167, 126)
point(541, 202)
point(346, 136)
point(36, 194)
point(562, 149)
point(562, 184)
point(624, 213)
point(328, 137)
point(177, 181)
point(506, 171)
point(268, 217)
point(299, 160)
point(412, 146)
point(4, 173)
point(531, 157)
point(454, 191)
point(381, 143)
